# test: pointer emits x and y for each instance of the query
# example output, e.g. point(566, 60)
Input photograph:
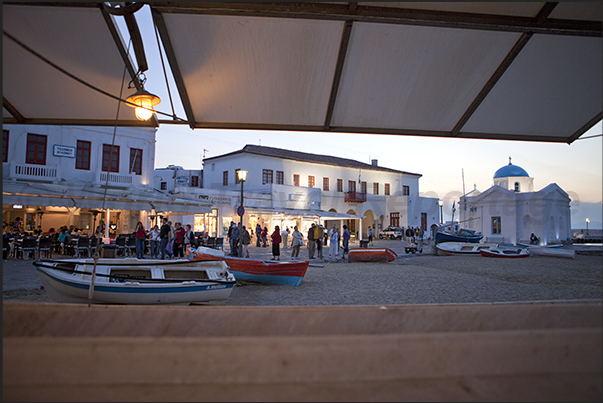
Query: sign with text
point(63, 151)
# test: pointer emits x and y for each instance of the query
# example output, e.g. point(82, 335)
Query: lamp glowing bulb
point(143, 102)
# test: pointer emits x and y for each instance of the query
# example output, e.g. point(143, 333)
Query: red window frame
point(351, 186)
point(340, 185)
point(136, 161)
point(311, 181)
point(386, 189)
point(5, 145)
point(295, 180)
point(114, 161)
point(362, 187)
point(394, 219)
point(280, 178)
point(82, 155)
point(267, 176)
point(325, 184)
point(225, 178)
point(36, 149)
point(375, 188)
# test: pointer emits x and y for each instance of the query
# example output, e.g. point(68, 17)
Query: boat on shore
point(539, 250)
point(462, 248)
point(463, 235)
point(383, 255)
point(505, 253)
point(135, 281)
point(257, 271)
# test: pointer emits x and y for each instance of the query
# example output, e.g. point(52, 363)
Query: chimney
point(374, 162)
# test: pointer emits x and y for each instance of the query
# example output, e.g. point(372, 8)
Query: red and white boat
point(507, 253)
point(257, 271)
point(383, 255)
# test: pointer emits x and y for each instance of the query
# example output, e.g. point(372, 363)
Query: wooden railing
point(354, 197)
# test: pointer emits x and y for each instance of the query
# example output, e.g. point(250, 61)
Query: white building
point(511, 210)
point(64, 175)
point(289, 188)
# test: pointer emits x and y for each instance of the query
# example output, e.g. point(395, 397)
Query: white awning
point(44, 194)
point(304, 213)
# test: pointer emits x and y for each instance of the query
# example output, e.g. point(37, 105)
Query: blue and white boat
point(463, 235)
point(135, 281)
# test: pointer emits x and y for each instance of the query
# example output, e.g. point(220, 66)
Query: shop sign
point(217, 200)
point(182, 180)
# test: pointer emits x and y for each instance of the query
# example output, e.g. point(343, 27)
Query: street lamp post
point(242, 175)
point(441, 204)
point(587, 221)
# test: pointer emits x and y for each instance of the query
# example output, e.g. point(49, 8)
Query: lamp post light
point(441, 204)
point(242, 175)
point(587, 221)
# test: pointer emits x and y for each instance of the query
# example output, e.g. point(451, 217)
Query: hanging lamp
point(143, 102)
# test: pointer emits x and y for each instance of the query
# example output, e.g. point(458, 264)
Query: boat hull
point(63, 286)
point(552, 252)
point(257, 271)
point(446, 237)
point(505, 253)
point(462, 248)
point(381, 255)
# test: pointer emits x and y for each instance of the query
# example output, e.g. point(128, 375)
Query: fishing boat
point(505, 253)
point(461, 235)
point(134, 281)
point(382, 255)
point(257, 271)
point(462, 248)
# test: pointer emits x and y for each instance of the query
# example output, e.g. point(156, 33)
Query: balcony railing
point(354, 197)
point(28, 171)
point(115, 179)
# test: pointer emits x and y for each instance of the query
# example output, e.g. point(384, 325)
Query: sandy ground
point(410, 279)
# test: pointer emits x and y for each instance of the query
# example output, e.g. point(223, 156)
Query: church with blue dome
point(510, 211)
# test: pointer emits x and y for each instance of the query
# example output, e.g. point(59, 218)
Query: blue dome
point(510, 170)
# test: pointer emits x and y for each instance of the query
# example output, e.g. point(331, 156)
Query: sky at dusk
point(446, 165)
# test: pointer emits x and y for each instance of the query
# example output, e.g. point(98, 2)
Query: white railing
point(29, 171)
point(115, 179)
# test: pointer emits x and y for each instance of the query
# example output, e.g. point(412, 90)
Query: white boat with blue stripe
point(135, 281)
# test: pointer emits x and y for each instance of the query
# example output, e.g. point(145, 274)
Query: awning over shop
point(43, 194)
point(304, 213)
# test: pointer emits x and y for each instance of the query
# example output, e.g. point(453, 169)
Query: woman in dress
point(333, 241)
point(276, 242)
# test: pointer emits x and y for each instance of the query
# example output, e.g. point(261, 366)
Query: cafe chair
point(45, 247)
point(219, 243)
point(131, 245)
point(94, 242)
point(120, 242)
point(211, 242)
point(28, 245)
point(83, 245)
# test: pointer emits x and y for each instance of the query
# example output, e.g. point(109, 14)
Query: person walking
point(245, 241)
point(155, 241)
point(311, 241)
point(346, 240)
point(264, 236)
point(333, 242)
point(189, 238)
point(318, 234)
point(258, 235)
point(179, 240)
point(230, 229)
point(141, 235)
point(370, 235)
point(285, 236)
point(296, 243)
point(165, 235)
point(235, 236)
point(276, 242)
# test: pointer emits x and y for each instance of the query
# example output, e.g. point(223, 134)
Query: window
point(195, 181)
point(82, 155)
point(136, 161)
point(267, 176)
point(394, 219)
point(225, 178)
point(351, 186)
point(5, 145)
point(113, 156)
point(280, 178)
point(36, 149)
point(325, 184)
point(405, 191)
point(386, 189)
point(496, 225)
point(340, 185)
point(375, 188)
point(517, 186)
point(295, 180)
point(311, 181)
point(362, 187)
point(163, 185)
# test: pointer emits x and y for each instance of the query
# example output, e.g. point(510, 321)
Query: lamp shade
point(242, 175)
point(143, 102)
